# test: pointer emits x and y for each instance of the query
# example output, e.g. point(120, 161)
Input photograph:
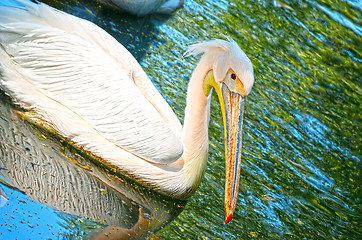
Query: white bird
point(75, 79)
point(144, 7)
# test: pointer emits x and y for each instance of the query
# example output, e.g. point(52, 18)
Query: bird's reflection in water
point(51, 171)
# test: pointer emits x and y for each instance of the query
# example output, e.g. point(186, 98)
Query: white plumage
point(76, 79)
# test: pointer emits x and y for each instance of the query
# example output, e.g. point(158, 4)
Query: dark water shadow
point(137, 34)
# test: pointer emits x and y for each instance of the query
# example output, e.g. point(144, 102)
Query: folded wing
point(80, 81)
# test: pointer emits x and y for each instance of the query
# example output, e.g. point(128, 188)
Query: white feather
point(72, 70)
point(225, 55)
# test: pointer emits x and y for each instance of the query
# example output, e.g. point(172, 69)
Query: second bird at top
point(144, 7)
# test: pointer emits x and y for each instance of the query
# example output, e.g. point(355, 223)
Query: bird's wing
point(80, 80)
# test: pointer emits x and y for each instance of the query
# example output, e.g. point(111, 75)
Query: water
point(301, 165)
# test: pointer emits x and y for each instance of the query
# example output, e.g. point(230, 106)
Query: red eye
point(233, 76)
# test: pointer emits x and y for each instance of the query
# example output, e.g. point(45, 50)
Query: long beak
point(232, 108)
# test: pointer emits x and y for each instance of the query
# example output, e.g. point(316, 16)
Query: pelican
point(73, 78)
point(144, 7)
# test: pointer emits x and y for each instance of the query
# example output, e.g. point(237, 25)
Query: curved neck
point(195, 128)
point(181, 178)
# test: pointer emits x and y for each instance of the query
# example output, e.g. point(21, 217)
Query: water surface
point(301, 164)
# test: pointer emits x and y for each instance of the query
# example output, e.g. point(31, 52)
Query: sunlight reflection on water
point(302, 130)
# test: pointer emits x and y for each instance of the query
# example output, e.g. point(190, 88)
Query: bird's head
point(230, 73)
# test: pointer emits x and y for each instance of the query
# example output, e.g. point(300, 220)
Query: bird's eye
point(233, 76)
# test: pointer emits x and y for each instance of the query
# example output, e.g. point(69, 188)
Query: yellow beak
point(232, 107)
point(233, 104)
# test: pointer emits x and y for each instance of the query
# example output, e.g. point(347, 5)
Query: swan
point(73, 78)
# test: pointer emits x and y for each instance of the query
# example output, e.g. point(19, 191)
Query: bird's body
point(74, 78)
point(144, 7)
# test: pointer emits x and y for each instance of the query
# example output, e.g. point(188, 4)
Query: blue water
point(301, 160)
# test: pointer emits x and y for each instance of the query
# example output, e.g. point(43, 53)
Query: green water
point(301, 165)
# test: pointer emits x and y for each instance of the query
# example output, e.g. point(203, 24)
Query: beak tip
point(228, 219)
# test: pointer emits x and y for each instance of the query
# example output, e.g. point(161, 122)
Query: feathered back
point(84, 84)
point(224, 55)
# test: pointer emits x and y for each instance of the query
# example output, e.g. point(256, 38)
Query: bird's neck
point(195, 129)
